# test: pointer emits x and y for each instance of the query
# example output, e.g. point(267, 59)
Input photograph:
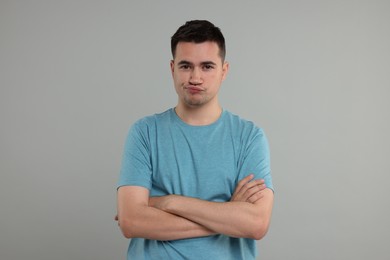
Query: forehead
point(197, 52)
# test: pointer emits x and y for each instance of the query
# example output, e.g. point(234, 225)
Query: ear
point(225, 70)
point(172, 64)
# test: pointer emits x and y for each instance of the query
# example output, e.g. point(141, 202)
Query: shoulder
point(143, 131)
point(150, 121)
point(241, 125)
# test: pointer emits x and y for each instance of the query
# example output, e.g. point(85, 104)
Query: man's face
point(198, 72)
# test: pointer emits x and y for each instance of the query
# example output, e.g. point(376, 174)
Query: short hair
point(199, 31)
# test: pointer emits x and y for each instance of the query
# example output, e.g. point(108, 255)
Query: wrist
point(170, 202)
point(164, 203)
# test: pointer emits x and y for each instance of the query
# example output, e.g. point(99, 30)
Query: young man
point(195, 181)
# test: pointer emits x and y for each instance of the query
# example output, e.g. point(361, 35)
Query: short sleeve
point(256, 158)
point(136, 168)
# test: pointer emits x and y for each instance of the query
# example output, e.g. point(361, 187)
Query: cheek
point(215, 79)
point(178, 83)
point(179, 78)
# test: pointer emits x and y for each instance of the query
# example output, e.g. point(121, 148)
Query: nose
point(195, 77)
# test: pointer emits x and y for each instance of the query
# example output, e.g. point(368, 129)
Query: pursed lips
point(194, 89)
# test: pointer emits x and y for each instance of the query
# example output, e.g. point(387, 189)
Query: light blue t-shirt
point(167, 156)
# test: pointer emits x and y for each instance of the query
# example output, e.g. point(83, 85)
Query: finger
point(255, 197)
point(241, 193)
point(253, 190)
point(259, 184)
point(254, 183)
point(244, 181)
point(255, 193)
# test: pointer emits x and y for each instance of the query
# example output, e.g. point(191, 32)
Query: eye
point(208, 67)
point(184, 67)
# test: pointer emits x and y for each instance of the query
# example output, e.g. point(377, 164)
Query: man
point(195, 181)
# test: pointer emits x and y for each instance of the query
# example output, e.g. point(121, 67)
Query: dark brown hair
point(199, 31)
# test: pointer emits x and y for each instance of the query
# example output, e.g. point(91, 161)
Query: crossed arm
point(172, 217)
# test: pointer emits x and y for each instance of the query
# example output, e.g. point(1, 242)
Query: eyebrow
point(185, 62)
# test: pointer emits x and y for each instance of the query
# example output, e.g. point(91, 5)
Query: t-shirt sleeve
point(136, 166)
point(256, 158)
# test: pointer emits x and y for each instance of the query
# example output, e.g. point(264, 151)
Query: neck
point(198, 116)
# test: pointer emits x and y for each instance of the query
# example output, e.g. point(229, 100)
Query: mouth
point(194, 90)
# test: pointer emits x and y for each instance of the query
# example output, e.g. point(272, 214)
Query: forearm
point(229, 218)
point(137, 218)
point(152, 223)
point(236, 219)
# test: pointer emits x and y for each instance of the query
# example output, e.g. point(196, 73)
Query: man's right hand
point(248, 190)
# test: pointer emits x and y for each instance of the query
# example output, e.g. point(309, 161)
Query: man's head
point(199, 31)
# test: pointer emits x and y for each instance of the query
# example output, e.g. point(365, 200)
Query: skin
point(198, 72)
point(235, 218)
point(153, 217)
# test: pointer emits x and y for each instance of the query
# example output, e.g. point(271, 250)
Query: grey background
point(75, 74)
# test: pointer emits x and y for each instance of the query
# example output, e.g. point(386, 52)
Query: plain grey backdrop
point(74, 75)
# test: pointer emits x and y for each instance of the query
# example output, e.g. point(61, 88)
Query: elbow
point(259, 232)
point(126, 233)
point(127, 229)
